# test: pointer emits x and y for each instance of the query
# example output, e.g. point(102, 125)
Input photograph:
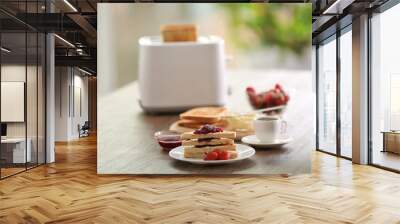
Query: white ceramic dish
point(254, 141)
point(244, 152)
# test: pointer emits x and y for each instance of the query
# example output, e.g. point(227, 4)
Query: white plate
point(244, 152)
point(253, 140)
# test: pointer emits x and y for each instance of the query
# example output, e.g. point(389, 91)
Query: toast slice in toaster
point(205, 115)
point(179, 32)
point(208, 142)
point(224, 134)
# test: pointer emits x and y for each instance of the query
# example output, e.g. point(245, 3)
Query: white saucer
point(244, 152)
point(253, 140)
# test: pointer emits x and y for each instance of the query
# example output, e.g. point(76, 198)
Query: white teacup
point(269, 129)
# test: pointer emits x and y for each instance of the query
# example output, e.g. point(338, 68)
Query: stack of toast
point(208, 139)
point(197, 117)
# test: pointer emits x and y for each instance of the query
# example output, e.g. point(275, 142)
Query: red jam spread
point(169, 142)
point(206, 129)
point(204, 139)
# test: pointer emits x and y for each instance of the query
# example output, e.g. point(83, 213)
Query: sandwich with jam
point(210, 143)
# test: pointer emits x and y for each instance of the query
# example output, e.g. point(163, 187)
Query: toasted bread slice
point(196, 125)
point(200, 152)
point(204, 115)
point(224, 134)
point(179, 32)
point(231, 147)
point(212, 142)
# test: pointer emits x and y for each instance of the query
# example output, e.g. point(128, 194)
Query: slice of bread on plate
point(205, 115)
point(224, 134)
point(211, 142)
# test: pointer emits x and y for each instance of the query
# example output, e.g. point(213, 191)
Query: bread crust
point(224, 134)
point(213, 142)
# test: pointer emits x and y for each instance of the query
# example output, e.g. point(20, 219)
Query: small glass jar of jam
point(168, 139)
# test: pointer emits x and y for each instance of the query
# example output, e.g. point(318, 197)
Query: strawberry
point(278, 86)
point(253, 97)
point(256, 101)
point(287, 98)
point(268, 98)
point(250, 89)
point(260, 101)
point(211, 156)
point(273, 97)
point(223, 155)
point(280, 100)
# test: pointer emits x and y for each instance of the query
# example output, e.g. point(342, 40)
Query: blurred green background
point(285, 26)
point(258, 36)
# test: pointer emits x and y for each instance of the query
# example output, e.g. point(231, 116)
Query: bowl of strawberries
point(274, 98)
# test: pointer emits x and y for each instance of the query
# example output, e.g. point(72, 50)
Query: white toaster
point(176, 76)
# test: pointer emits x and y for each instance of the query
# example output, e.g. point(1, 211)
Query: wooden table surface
point(125, 134)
